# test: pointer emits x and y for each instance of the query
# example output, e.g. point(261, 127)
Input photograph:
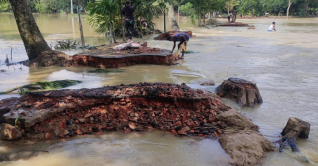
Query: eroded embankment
point(106, 57)
point(177, 109)
point(169, 107)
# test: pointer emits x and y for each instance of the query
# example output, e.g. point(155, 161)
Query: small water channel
point(283, 64)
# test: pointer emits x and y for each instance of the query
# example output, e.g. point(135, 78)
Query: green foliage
point(146, 9)
point(42, 6)
point(106, 14)
point(4, 6)
point(187, 9)
point(103, 15)
point(196, 9)
point(43, 85)
point(58, 84)
point(252, 7)
point(55, 6)
point(65, 44)
point(104, 71)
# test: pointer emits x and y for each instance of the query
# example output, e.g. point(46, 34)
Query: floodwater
point(283, 64)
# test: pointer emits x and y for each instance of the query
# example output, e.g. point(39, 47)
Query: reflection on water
point(135, 149)
point(283, 64)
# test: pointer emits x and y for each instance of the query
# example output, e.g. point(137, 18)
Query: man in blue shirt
point(183, 38)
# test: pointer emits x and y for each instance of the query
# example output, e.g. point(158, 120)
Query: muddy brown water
point(283, 64)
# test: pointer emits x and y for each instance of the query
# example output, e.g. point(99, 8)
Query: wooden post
point(71, 6)
point(80, 24)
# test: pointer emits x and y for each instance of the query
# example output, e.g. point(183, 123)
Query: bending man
point(128, 13)
point(183, 38)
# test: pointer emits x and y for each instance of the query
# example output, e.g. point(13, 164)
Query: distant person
point(229, 17)
point(272, 27)
point(128, 13)
point(183, 38)
point(266, 14)
point(144, 24)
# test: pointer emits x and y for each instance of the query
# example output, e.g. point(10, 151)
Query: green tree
point(197, 9)
point(145, 10)
point(102, 17)
point(188, 10)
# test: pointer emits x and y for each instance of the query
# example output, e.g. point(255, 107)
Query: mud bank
point(173, 108)
point(106, 57)
point(116, 59)
point(163, 36)
point(234, 24)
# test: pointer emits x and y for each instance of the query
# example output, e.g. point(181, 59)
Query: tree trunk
point(178, 14)
point(80, 23)
point(173, 22)
point(110, 34)
point(289, 4)
point(164, 20)
point(140, 27)
point(32, 38)
point(306, 8)
point(199, 17)
point(113, 34)
point(121, 18)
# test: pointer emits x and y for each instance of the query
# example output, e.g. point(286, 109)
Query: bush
point(4, 7)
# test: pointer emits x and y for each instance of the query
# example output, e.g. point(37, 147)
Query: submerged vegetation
point(104, 71)
point(58, 84)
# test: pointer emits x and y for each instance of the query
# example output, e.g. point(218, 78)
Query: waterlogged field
point(283, 64)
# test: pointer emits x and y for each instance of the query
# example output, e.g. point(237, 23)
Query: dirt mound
point(50, 58)
point(177, 109)
point(163, 36)
point(233, 24)
point(246, 148)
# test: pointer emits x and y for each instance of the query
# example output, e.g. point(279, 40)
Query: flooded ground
point(283, 64)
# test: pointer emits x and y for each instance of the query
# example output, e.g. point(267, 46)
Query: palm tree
point(102, 16)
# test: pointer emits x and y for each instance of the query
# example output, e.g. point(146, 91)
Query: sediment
point(177, 109)
point(233, 24)
point(163, 36)
point(136, 107)
point(116, 59)
point(106, 57)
